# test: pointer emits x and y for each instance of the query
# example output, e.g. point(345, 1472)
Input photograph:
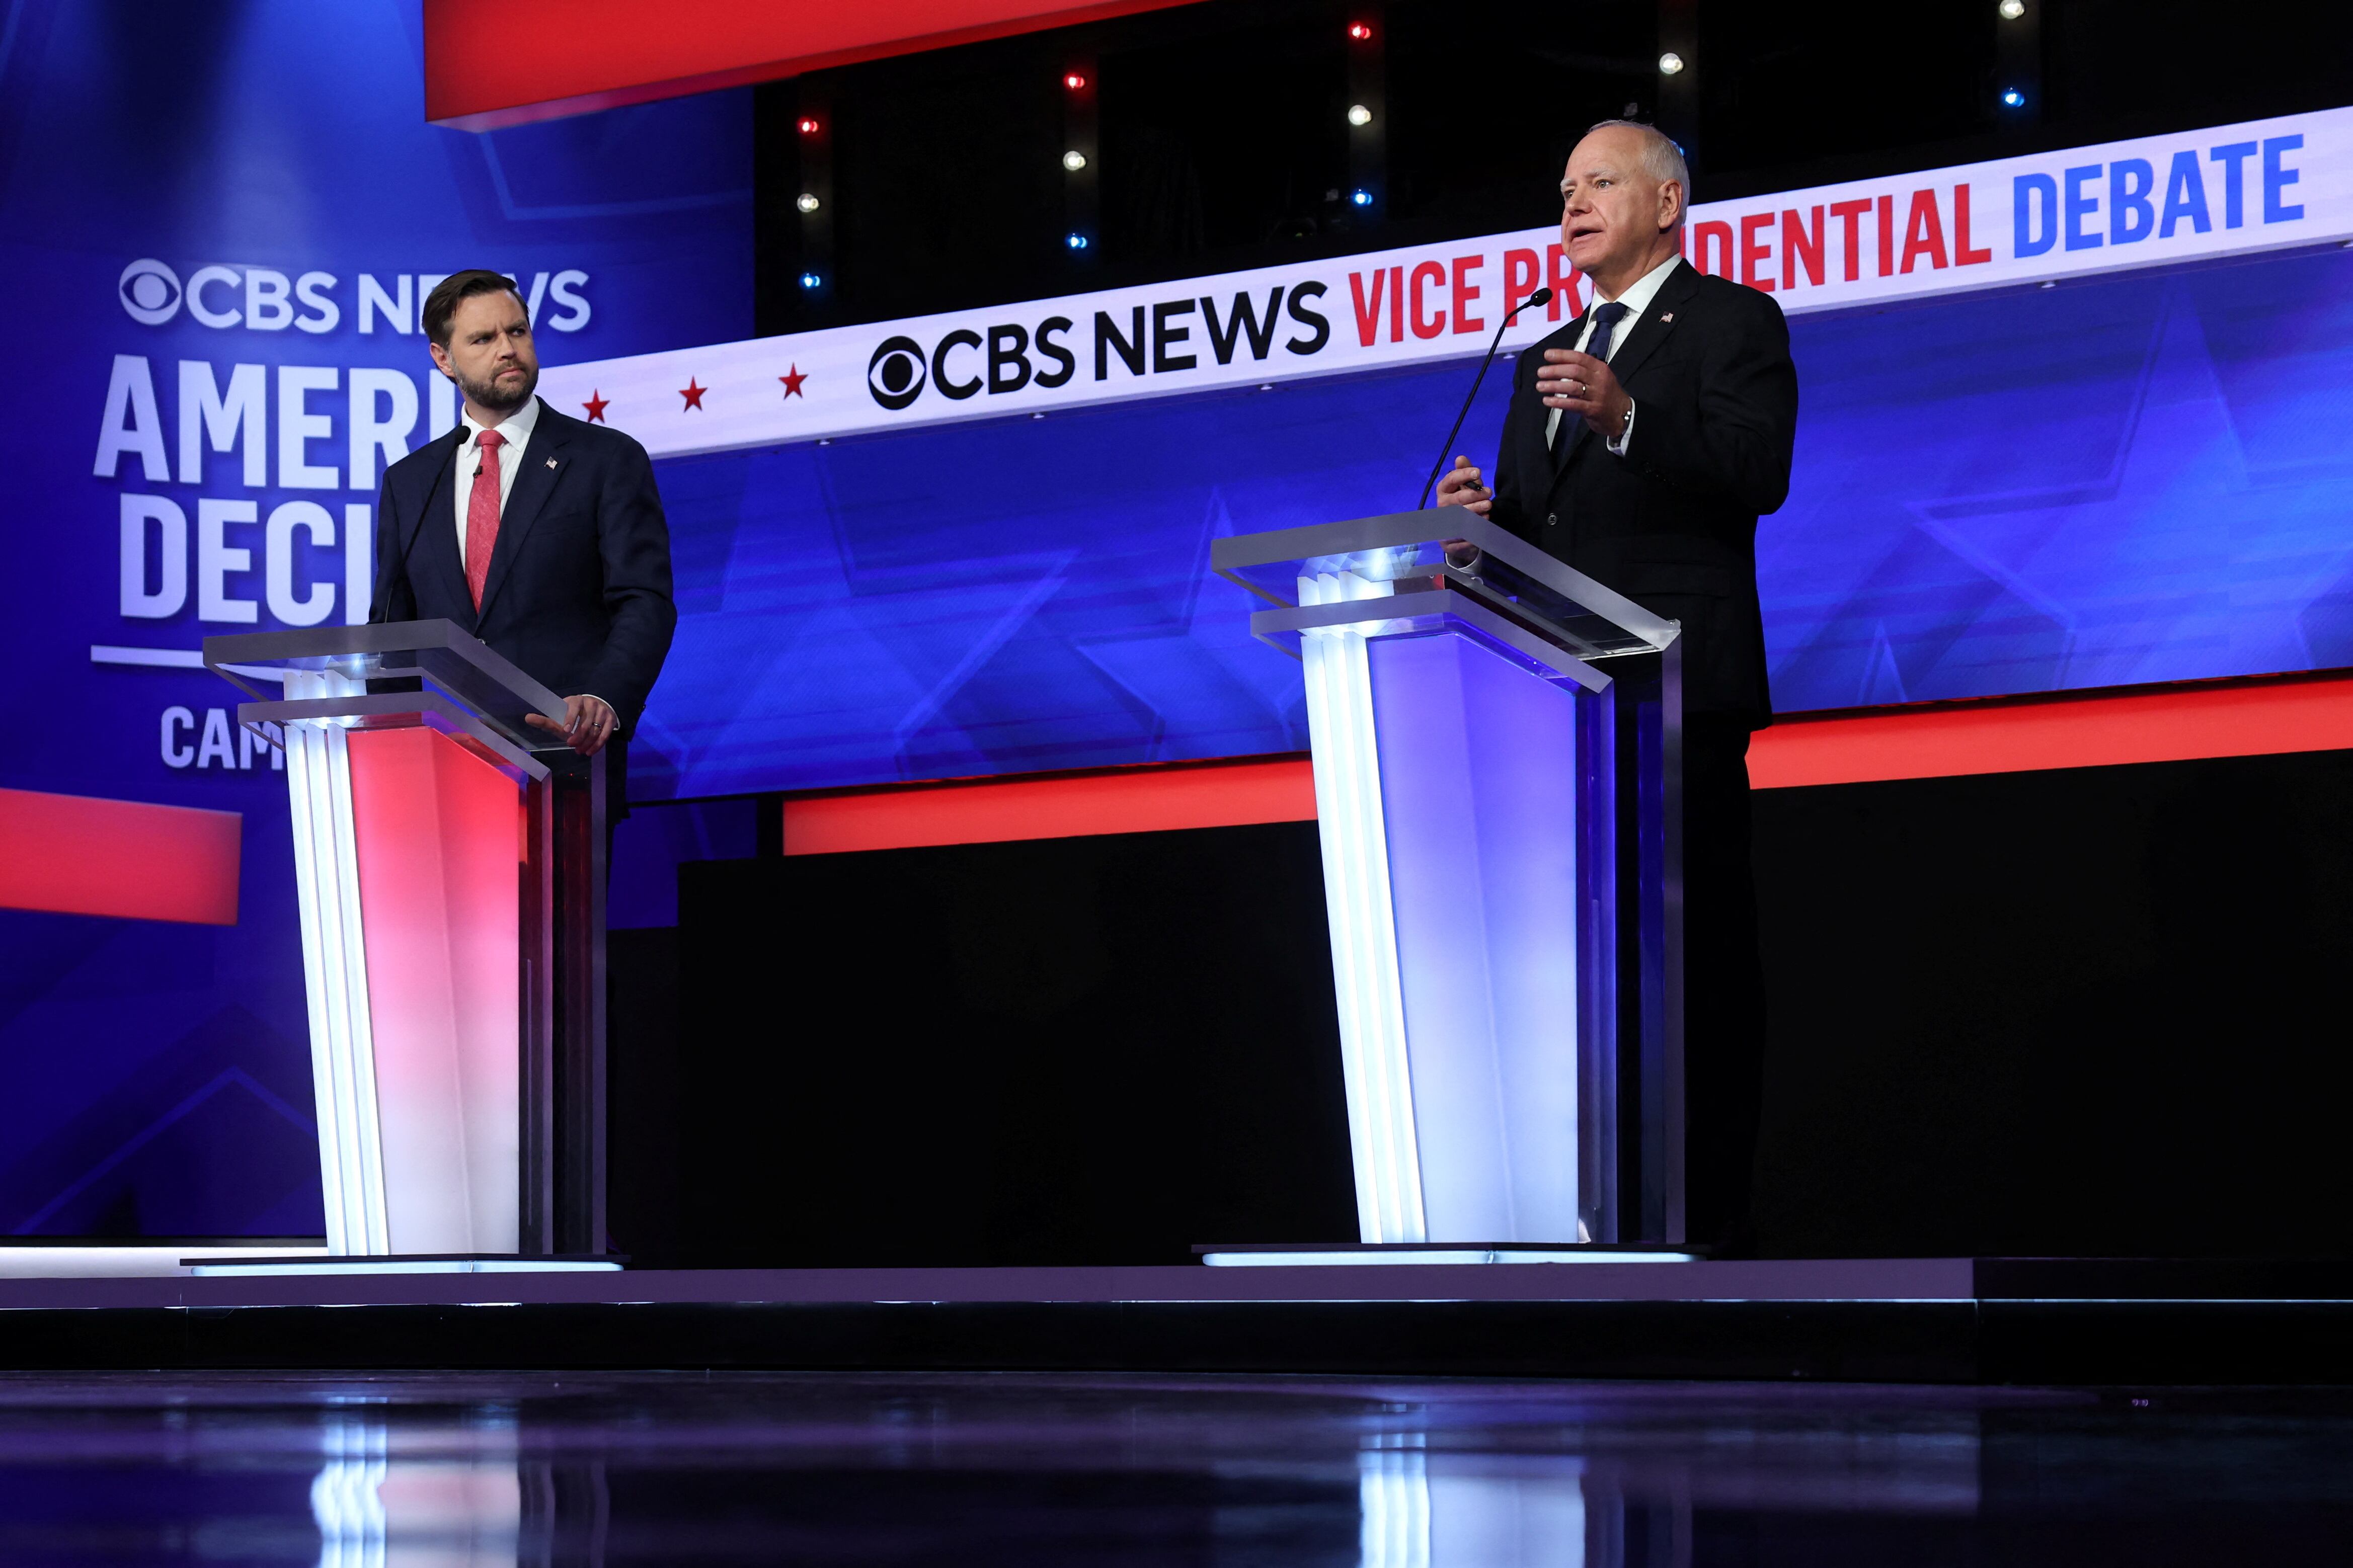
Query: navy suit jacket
point(1672, 524)
point(578, 595)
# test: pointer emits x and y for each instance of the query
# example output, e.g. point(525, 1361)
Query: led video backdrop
point(2135, 478)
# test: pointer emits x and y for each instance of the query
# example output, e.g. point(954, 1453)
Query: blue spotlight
point(1361, 197)
point(811, 281)
point(2013, 98)
point(1076, 241)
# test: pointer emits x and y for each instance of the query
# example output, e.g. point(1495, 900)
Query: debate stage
point(1919, 1321)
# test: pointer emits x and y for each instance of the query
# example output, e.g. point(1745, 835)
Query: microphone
point(1540, 295)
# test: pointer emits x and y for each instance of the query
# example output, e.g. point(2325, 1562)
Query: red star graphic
point(792, 379)
point(692, 393)
point(596, 407)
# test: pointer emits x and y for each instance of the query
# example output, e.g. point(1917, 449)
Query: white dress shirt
point(516, 432)
point(1636, 299)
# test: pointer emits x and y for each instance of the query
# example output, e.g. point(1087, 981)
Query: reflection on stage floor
point(359, 1471)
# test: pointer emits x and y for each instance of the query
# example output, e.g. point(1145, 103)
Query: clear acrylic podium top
point(1412, 569)
point(456, 684)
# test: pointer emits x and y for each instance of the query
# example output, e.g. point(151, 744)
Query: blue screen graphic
point(2135, 479)
point(157, 1076)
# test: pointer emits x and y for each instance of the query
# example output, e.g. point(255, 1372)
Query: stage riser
point(2079, 1342)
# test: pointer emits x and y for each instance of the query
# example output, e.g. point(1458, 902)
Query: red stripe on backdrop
point(489, 63)
point(1066, 806)
point(2247, 717)
point(76, 855)
point(2237, 717)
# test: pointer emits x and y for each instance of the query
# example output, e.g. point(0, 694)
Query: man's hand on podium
point(588, 723)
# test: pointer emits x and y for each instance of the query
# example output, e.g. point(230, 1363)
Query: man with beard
point(541, 534)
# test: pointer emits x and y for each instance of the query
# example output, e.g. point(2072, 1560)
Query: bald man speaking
point(1643, 441)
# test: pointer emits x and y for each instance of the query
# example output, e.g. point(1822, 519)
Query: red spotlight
point(1360, 31)
point(1074, 81)
point(809, 126)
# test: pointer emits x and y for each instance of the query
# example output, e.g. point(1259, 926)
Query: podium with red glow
point(451, 878)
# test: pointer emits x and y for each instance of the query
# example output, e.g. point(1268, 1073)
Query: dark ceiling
point(1222, 140)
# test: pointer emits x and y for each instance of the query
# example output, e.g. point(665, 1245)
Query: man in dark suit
point(1642, 442)
point(541, 534)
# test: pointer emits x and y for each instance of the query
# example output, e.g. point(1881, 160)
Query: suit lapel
point(543, 463)
point(1653, 328)
point(437, 527)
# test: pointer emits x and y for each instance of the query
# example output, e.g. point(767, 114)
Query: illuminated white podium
point(1497, 745)
point(450, 875)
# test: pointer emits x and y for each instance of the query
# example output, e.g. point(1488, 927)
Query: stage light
point(1076, 241)
point(1074, 81)
point(1670, 63)
point(2014, 99)
point(809, 126)
point(807, 202)
point(811, 281)
point(1074, 161)
point(1362, 198)
point(2012, 10)
point(1360, 32)
point(1359, 115)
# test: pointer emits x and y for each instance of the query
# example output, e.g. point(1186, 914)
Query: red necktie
point(482, 515)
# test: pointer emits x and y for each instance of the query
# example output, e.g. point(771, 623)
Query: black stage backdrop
point(2091, 1012)
point(2086, 1012)
point(1100, 1049)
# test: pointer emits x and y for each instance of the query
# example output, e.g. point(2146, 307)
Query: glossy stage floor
point(1200, 1471)
point(1940, 1321)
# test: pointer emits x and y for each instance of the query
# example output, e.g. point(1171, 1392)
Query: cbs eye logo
point(895, 374)
point(150, 291)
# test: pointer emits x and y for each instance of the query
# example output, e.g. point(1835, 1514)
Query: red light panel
point(2062, 730)
point(1359, 31)
point(1074, 81)
point(990, 811)
point(74, 855)
point(547, 57)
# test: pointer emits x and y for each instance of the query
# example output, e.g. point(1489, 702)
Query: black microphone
point(1540, 295)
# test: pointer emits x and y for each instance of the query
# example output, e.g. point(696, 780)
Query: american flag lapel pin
point(551, 462)
point(1669, 317)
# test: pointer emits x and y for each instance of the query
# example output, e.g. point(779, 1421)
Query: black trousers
point(1723, 983)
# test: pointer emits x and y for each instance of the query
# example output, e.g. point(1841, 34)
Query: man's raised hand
point(1463, 486)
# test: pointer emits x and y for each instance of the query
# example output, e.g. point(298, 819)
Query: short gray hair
point(1662, 160)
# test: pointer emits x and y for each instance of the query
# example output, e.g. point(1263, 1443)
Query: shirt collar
point(515, 429)
point(1639, 294)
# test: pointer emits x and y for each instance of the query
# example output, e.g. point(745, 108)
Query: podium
point(1497, 748)
point(450, 871)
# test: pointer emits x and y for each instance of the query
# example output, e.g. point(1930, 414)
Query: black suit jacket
point(1673, 524)
point(578, 593)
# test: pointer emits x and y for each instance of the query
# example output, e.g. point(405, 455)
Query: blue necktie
point(1605, 327)
point(1606, 318)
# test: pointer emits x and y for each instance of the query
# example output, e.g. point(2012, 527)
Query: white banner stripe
point(2155, 201)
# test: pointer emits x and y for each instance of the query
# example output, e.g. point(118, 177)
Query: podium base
point(1393, 1254)
point(478, 1263)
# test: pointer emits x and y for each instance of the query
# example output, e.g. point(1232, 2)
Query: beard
point(499, 399)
